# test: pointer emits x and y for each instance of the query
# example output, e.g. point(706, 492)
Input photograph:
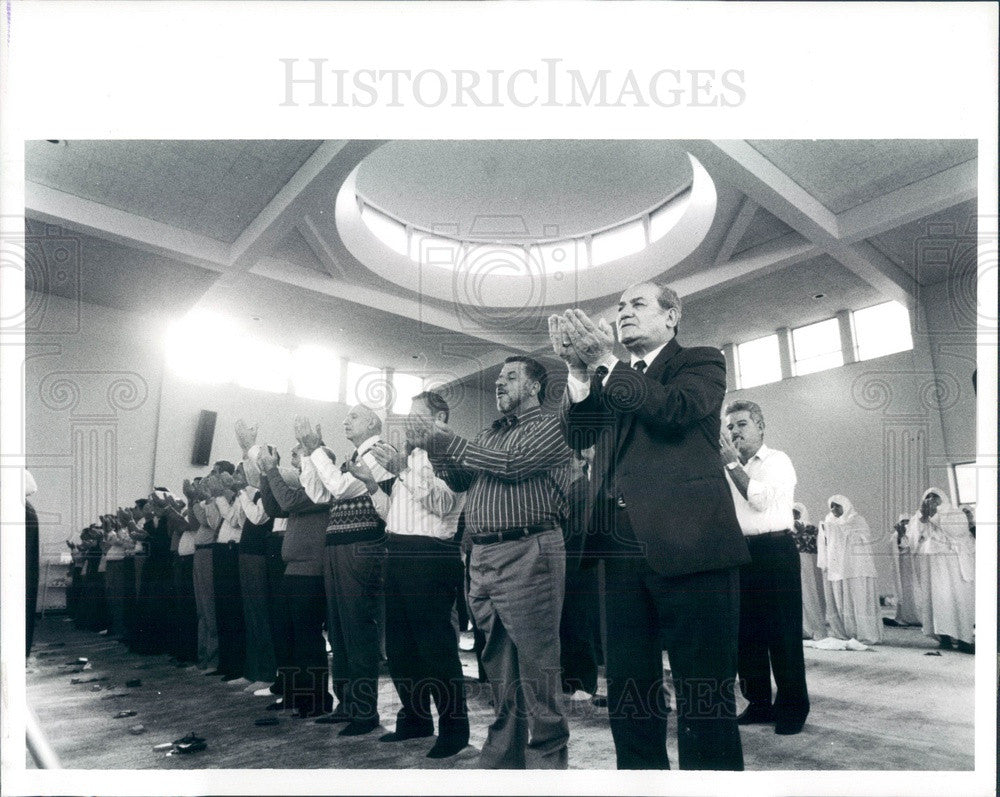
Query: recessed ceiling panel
point(513, 190)
point(844, 174)
point(212, 188)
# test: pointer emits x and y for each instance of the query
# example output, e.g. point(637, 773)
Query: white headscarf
point(803, 512)
point(947, 530)
point(30, 487)
point(844, 545)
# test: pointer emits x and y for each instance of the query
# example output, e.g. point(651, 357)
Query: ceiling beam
point(294, 274)
point(324, 253)
point(93, 218)
point(749, 171)
point(736, 231)
point(315, 181)
point(910, 203)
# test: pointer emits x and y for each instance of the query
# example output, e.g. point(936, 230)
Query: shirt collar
point(762, 453)
point(367, 444)
point(515, 418)
point(648, 357)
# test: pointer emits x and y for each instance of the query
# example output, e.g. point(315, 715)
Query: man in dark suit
point(663, 518)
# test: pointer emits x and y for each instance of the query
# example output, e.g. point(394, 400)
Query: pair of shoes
point(335, 718)
point(402, 734)
point(788, 727)
point(755, 715)
point(448, 745)
point(359, 727)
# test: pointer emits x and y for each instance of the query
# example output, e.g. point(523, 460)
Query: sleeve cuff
point(578, 389)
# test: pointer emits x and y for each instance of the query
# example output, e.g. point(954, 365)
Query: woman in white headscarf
point(945, 568)
point(813, 605)
point(844, 553)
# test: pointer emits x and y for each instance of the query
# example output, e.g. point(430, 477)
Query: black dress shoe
point(359, 727)
point(447, 746)
point(788, 728)
point(403, 734)
point(755, 716)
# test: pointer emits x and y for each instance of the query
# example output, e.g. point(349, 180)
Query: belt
point(768, 535)
point(506, 535)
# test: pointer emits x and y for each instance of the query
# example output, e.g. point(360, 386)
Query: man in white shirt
point(422, 570)
point(353, 561)
point(762, 481)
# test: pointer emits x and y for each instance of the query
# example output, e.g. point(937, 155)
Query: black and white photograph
point(386, 463)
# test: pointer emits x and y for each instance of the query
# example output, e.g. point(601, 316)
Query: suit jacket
point(657, 452)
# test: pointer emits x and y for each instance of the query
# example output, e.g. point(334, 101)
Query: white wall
point(92, 390)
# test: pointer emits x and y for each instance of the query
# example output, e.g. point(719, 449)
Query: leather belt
point(506, 535)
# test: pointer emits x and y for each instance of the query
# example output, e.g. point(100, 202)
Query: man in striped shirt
point(515, 474)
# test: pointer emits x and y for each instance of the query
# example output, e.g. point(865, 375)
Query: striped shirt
point(516, 472)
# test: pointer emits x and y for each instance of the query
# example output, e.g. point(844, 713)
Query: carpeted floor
point(890, 708)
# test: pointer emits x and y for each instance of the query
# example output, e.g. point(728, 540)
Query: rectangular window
point(882, 329)
point(404, 388)
point(965, 482)
point(816, 347)
point(316, 373)
point(617, 243)
point(758, 362)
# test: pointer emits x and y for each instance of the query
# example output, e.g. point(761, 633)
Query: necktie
point(640, 365)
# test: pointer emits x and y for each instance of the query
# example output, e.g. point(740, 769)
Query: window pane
point(263, 366)
point(965, 482)
point(404, 388)
point(817, 347)
point(316, 373)
point(759, 362)
point(365, 385)
point(617, 243)
point(882, 329)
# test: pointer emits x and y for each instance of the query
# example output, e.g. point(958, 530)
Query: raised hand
point(214, 485)
point(188, 489)
point(389, 458)
point(309, 439)
point(562, 345)
point(592, 342)
point(246, 435)
point(360, 471)
point(266, 460)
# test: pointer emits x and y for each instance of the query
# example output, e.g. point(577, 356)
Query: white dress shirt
point(253, 509)
point(421, 503)
point(579, 389)
point(231, 528)
point(324, 482)
point(770, 493)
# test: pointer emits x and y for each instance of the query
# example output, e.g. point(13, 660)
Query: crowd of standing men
point(694, 524)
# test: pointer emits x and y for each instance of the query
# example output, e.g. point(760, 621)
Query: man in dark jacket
point(663, 514)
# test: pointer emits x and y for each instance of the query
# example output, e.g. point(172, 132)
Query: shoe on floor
point(755, 715)
point(788, 728)
point(256, 686)
point(579, 696)
point(447, 746)
point(266, 692)
point(965, 647)
point(359, 727)
point(403, 734)
point(235, 680)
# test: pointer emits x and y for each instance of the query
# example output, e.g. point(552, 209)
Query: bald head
point(361, 423)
